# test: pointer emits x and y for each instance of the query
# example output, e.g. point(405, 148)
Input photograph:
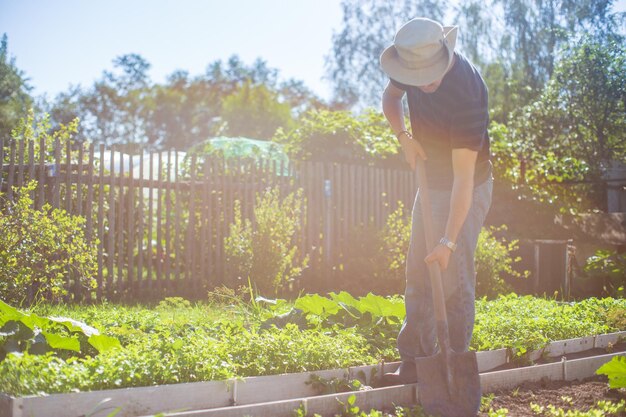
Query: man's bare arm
point(463, 166)
point(394, 112)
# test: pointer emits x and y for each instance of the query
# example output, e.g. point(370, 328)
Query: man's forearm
point(460, 203)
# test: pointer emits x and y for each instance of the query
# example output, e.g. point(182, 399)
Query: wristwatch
point(448, 243)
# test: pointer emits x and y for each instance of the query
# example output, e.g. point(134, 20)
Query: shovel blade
point(448, 384)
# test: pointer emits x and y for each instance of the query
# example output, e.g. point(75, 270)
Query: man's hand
point(440, 254)
point(412, 150)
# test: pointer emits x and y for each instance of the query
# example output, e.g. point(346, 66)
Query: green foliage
point(27, 332)
point(494, 263)
point(179, 342)
point(264, 250)
point(615, 370)
point(610, 267)
point(368, 26)
point(526, 323)
point(325, 135)
point(255, 112)
point(602, 408)
point(40, 250)
point(394, 244)
point(573, 130)
point(14, 91)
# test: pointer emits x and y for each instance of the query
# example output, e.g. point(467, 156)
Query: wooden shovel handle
point(433, 269)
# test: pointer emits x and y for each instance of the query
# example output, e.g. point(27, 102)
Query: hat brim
point(393, 67)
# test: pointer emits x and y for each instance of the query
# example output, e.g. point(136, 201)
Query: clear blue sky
point(63, 42)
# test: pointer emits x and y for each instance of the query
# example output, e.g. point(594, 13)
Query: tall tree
point(15, 99)
point(368, 27)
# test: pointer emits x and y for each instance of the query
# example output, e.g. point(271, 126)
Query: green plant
point(615, 370)
point(41, 250)
point(264, 249)
point(394, 245)
point(494, 262)
point(27, 332)
point(610, 267)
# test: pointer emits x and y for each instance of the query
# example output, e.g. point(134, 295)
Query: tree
point(14, 92)
point(368, 27)
point(255, 111)
point(575, 129)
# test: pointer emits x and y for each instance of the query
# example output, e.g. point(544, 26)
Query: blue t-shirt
point(454, 116)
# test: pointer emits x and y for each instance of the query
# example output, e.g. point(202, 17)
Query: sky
point(62, 42)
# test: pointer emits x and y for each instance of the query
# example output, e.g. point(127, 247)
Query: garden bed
point(566, 395)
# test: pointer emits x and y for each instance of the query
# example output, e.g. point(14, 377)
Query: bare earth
point(580, 395)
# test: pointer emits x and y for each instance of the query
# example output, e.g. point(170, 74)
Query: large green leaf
point(615, 369)
point(62, 342)
point(102, 343)
point(379, 306)
point(317, 305)
point(76, 326)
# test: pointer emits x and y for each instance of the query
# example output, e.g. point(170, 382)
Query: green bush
point(494, 262)
point(610, 267)
point(264, 250)
point(394, 245)
point(39, 248)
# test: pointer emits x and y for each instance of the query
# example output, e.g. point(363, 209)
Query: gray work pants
point(418, 334)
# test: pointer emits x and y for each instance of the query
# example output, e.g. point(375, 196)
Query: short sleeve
point(399, 85)
point(468, 125)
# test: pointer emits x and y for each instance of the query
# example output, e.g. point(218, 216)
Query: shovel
point(448, 382)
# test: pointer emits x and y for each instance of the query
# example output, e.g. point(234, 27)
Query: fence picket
point(187, 217)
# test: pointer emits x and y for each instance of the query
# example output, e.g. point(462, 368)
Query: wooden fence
point(159, 221)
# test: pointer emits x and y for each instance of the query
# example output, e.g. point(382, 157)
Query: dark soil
point(580, 395)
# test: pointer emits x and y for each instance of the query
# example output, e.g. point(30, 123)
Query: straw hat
point(421, 53)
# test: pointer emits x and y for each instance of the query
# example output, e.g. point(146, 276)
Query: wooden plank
point(67, 177)
point(11, 177)
point(119, 231)
point(564, 347)
point(111, 231)
point(9, 406)
point(584, 368)
point(190, 245)
point(100, 277)
point(132, 401)
point(31, 167)
point(491, 359)
point(89, 202)
point(168, 223)
point(379, 399)
point(140, 225)
point(177, 218)
point(79, 182)
point(264, 389)
point(42, 173)
point(130, 228)
point(206, 222)
point(20, 164)
point(149, 278)
point(493, 381)
point(606, 340)
point(159, 228)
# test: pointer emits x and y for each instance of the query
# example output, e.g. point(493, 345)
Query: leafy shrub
point(28, 332)
point(394, 245)
point(610, 267)
point(340, 136)
point(264, 251)
point(494, 262)
point(38, 248)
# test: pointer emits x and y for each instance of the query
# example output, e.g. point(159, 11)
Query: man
point(447, 101)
